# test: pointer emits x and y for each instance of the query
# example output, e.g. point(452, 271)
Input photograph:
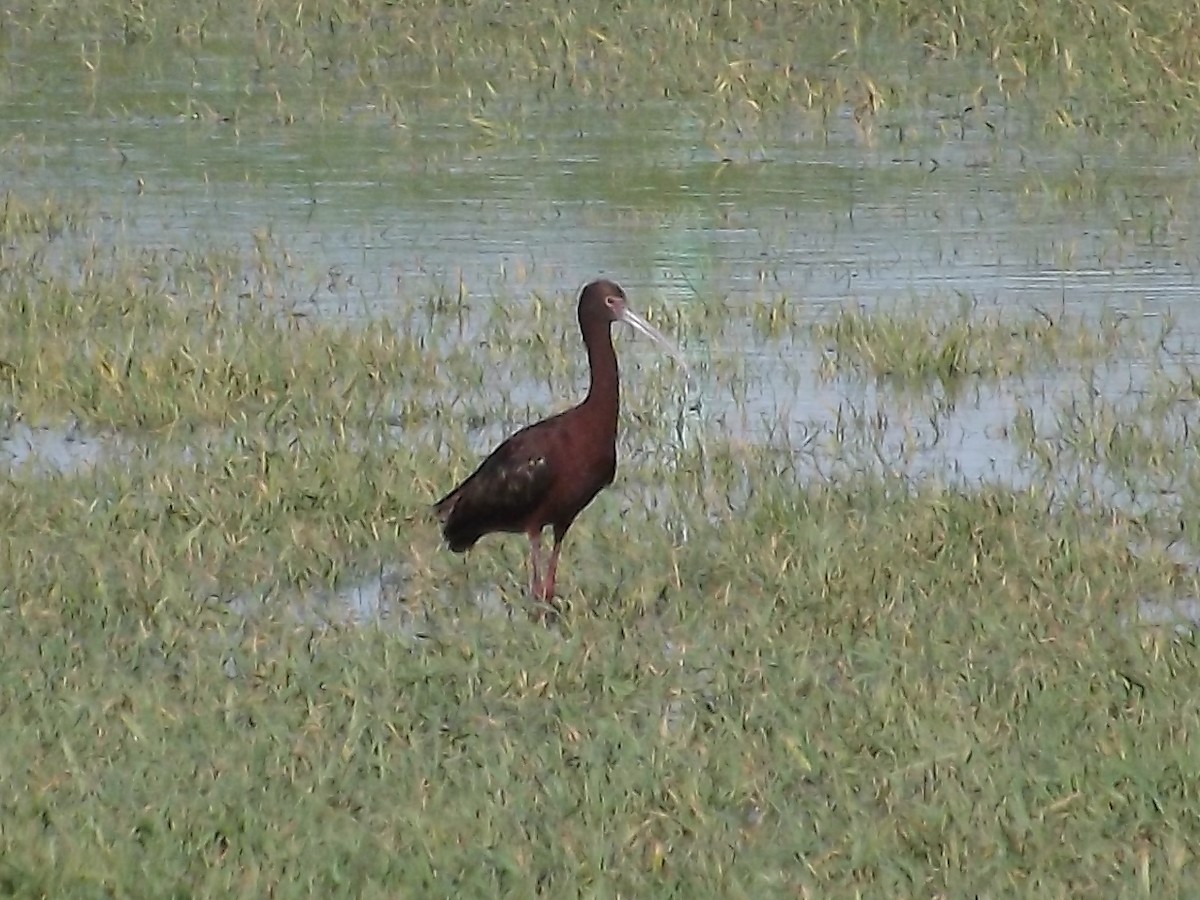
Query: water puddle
point(55, 449)
point(1183, 615)
point(381, 599)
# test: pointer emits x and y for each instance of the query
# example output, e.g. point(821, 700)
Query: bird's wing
point(509, 485)
point(517, 479)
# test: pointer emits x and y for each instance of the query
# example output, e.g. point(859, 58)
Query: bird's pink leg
point(535, 554)
point(551, 570)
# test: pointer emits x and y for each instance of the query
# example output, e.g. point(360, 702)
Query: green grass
point(780, 670)
point(921, 691)
point(1104, 69)
point(927, 344)
point(852, 683)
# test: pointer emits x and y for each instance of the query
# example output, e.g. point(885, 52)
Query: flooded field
point(741, 236)
point(895, 592)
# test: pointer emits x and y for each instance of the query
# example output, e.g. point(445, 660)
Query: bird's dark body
point(545, 474)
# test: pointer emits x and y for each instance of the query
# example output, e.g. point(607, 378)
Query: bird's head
point(605, 302)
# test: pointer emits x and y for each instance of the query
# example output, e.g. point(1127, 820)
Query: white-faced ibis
point(547, 473)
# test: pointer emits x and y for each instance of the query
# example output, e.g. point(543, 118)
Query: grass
point(766, 682)
point(787, 665)
point(891, 679)
point(926, 343)
point(1095, 69)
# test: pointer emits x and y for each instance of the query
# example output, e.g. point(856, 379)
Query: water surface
point(367, 207)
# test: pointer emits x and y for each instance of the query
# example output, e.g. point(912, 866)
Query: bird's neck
point(603, 396)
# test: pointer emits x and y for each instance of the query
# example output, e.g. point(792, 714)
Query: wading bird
point(547, 473)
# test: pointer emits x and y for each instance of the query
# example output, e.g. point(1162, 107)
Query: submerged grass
point(927, 344)
point(765, 682)
point(1070, 65)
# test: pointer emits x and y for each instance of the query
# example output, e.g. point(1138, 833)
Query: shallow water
point(365, 209)
point(53, 449)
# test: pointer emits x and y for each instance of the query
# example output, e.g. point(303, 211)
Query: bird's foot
point(546, 607)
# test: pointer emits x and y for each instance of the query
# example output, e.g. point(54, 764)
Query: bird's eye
point(610, 301)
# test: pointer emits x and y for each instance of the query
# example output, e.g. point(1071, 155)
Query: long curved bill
point(637, 323)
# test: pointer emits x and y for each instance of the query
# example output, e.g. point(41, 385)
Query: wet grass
point(929, 343)
point(767, 680)
point(1064, 66)
point(785, 667)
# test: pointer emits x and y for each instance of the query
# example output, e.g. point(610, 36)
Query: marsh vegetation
point(898, 596)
